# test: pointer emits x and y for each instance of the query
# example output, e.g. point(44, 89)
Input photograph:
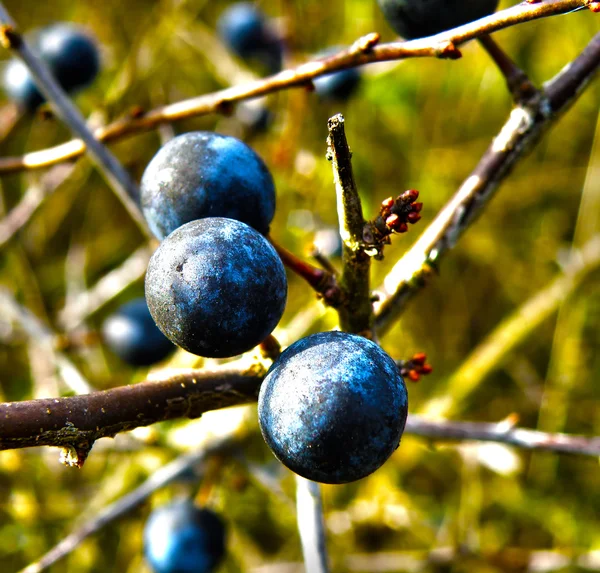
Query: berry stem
point(322, 281)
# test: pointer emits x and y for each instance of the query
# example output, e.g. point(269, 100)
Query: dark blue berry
point(419, 18)
point(332, 407)
point(204, 174)
point(182, 538)
point(134, 337)
point(70, 53)
point(338, 86)
point(243, 28)
point(216, 287)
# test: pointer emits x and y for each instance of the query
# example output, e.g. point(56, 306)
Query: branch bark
point(355, 310)
point(74, 423)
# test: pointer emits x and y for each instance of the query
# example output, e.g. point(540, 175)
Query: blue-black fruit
point(182, 538)
point(70, 53)
point(216, 287)
point(244, 29)
point(419, 18)
point(332, 407)
point(203, 174)
point(134, 337)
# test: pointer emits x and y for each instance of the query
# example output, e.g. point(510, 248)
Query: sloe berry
point(203, 174)
point(332, 407)
point(244, 29)
point(216, 287)
point(134, 337)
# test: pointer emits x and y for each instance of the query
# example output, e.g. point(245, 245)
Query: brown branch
point(356, 310)
point(76, 422)
point(521, 132)
point(364, 51)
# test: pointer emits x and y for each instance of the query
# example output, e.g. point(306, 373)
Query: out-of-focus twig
point(108, 165)
point(502, 433)
point(523, 129)
point(363, 51)
point(309, 510)
point(520, 86)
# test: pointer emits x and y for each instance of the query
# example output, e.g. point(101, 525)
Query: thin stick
point(309, 515)
point(356, 310)
point(520, 133)
point(127, 503)
point(108, 165)
point(363, 51)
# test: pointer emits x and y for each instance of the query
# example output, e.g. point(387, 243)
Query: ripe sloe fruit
point(203, 174)
point(182, 538)
point(70, 53)
point(332, 407)
point(216, 287)
point(134, 337)
point(419, 18)
point(244, 29)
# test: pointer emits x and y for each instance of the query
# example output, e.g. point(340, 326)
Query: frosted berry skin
point(70, 53)
point(216, 287)
point(332, 407)
point(134, 337)
point(182, 538)
point(420, 18)
point(203, 174)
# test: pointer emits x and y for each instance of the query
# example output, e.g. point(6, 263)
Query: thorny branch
point(363, 51)
point(523, 129)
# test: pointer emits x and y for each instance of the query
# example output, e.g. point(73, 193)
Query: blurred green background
point(419, 124)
